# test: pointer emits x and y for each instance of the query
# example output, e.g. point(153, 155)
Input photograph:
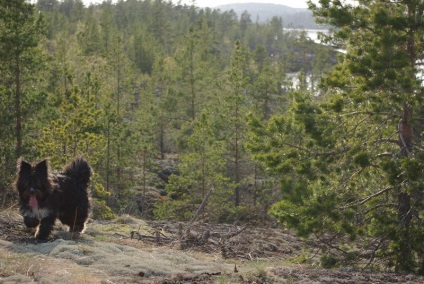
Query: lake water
point(312, 34)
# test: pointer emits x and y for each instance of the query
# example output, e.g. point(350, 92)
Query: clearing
point(129, 250)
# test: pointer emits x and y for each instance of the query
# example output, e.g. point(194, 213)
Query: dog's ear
point(24, 167)
point(42, 168)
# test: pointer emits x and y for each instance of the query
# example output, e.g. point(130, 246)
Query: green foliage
point(121, 82)
point(101, 211)
point(21, 32)
point(328, 261)
point(201, 175)
point(234, 107)
point(76, 131)
point(339, 156)
point(413, 169)
point(7, 141)
point(362, 160)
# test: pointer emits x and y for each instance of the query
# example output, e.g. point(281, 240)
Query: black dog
point(44, 196)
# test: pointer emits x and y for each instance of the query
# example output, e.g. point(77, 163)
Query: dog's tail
point(79, 170)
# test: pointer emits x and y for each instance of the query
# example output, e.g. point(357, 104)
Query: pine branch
point(365, 200)
point(388, 140)
point(333, 153)
point(370, 113)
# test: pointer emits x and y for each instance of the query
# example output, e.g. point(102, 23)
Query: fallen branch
point(230, 235)
point(201, 208)
point(157, 236)
point(133, 233)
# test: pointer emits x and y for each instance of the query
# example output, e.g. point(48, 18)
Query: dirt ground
point(128, 250)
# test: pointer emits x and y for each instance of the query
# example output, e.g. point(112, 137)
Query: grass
point(27, 267)
point(23, 264)
point(153, 258)
point(223, 279)
point(109, 231)
point(125, 219)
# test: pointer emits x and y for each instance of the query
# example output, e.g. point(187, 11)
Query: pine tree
point(192, 58)
point(77, 131)
point(144, 151)
point(7, 144)
point(350, 161)
point(118, 111)
point(201, 175)
point(21, 30)
point(267, 89)
point(234, 109)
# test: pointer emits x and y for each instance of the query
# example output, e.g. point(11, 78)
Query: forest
point(184, 111)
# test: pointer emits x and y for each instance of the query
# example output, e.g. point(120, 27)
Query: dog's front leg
point(31, 221)
point(46, 227)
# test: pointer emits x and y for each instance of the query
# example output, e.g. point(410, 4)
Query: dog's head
point(33, 182)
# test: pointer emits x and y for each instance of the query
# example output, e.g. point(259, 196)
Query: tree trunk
point(404, 199)
point(237, 162)
point(18, 109)
point(406, 137)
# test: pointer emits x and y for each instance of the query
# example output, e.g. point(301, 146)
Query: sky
point(214, 3)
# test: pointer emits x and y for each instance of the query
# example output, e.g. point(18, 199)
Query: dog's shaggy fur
point(45, 197)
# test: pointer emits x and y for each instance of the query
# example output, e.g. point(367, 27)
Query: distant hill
point(292, 17)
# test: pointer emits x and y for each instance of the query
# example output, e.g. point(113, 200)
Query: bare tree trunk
point(143, 202)
point(406, 137)
point(108, 157)
point(237, 161)
point(18, 109)
point(162, 141)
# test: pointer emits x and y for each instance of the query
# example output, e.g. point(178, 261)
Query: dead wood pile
point(230, 241)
